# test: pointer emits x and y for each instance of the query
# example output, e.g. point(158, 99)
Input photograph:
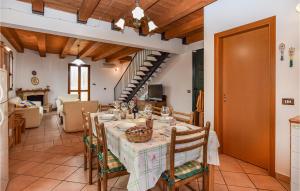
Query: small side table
point(295, 153)
point(47, 108)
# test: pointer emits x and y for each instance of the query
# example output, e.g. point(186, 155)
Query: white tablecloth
point(147, 161)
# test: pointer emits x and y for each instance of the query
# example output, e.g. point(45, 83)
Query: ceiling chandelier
point(139, 19)
point(78, 61)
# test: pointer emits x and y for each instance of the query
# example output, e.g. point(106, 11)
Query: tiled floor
point(49, 159)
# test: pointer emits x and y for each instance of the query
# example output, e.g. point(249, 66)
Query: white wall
point(226, 14)
point(177, 77)
point(12, 92)
point(53, 71)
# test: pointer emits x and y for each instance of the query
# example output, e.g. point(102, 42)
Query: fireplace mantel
point(23, 94)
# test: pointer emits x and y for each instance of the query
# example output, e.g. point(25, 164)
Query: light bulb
point(152, 26)
point(120, 23)
point(298, 8)
point(138, 13)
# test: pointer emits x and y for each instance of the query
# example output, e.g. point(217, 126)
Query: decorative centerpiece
point(139, 134)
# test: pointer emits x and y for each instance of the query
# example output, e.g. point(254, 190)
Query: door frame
point(218, 84)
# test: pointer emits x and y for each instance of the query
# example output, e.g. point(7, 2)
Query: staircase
point(143, 65)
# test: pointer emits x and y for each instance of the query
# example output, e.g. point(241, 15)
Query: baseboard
point(283, 178)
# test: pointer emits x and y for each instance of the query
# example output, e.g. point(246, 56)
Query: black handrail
point(124, 73)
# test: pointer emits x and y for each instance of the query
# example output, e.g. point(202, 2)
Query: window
point(79, 81)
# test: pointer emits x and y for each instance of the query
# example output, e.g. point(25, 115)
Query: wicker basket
point(139, 134)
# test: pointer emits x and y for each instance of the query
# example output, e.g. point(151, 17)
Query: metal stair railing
point(131, 71)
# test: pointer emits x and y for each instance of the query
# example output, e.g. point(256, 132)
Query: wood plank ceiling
point(63, 46)
point(174, 18)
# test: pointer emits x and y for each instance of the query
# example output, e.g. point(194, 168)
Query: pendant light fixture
point(139, 19)
point(298, 8)
point(78, 61)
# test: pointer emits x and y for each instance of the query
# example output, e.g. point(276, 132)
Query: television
point(155, 92)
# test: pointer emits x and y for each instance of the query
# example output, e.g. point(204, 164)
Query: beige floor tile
point(61, 172)
point(237, 179)
point(41, 170)
point(43, 184)
point(236, 188)
point(251, 169)
point(229, 164)
point(81, 176)
point(90, 188)
point(69, 186)
point(122, 182)
point(22, 167)
point(266, 182)
point(220, 187)
point(218, 178)
point(20, 182)
point(75, 161)
point(58, 159)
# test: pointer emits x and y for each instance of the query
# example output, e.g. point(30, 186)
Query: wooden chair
point(89, 143)
point(103, 107)
point(108, 164)
point(183, 117)
point(156, 110)
point(192, 170)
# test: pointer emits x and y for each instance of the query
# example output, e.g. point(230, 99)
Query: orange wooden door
point(246, 96)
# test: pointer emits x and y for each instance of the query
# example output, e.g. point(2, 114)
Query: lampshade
point(7, 48)
point(120, 23)
point(138, 13)
point(78, 62)
point(298, 8)
point(152, 26)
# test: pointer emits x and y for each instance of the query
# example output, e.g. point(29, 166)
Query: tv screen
point(155, 92)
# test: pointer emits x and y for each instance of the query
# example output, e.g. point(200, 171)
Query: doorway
point(198, 74)
point(245, 92)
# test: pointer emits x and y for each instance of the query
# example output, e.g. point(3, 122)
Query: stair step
point(137, 78)
point(151, 58)
point(156, 53)
point(143, 68)
point(131, 86)
point(124, 95)
point(134, 81)
point(140, 73)
point(122, 99)
point(126, 92)
point(147, 63)
point(128, 89)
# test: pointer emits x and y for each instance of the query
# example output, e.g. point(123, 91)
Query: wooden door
point(246, 93)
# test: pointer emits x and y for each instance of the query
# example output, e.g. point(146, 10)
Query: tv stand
point(141, 103)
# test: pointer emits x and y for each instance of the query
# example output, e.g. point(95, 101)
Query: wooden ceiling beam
point(37, 6)
point(41, 44)
point(13, 38)
point(89, 49)
point(181, 10)
point(183, 29)
point(122, 53)
point(107, 50)
point(195, 36)
point(86, 10)
point(70, 42)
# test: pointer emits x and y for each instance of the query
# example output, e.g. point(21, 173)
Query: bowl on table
point(107, 116)
point(125, 125)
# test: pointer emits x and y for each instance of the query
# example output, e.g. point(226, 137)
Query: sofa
point(33, 114)
point(66, 98)
point(72, 116)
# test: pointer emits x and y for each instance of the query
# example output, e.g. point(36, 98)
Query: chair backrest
point(194, 139)
point(86, 123)
point(183, 117)
point(156, 110)
point(101, 142)
point(104, 107)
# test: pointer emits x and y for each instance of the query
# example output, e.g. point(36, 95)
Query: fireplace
point(36, 98)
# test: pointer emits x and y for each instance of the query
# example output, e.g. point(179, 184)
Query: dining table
point(145, 162)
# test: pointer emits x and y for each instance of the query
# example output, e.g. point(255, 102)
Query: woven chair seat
point(113, 163)
point(87, 141)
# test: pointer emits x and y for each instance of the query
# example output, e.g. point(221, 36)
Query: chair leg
point(171, 188)
point(99, 182)
point(104, 183)
point(85, 156)
point(90, 165)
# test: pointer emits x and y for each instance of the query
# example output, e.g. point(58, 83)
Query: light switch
point(288, 101)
